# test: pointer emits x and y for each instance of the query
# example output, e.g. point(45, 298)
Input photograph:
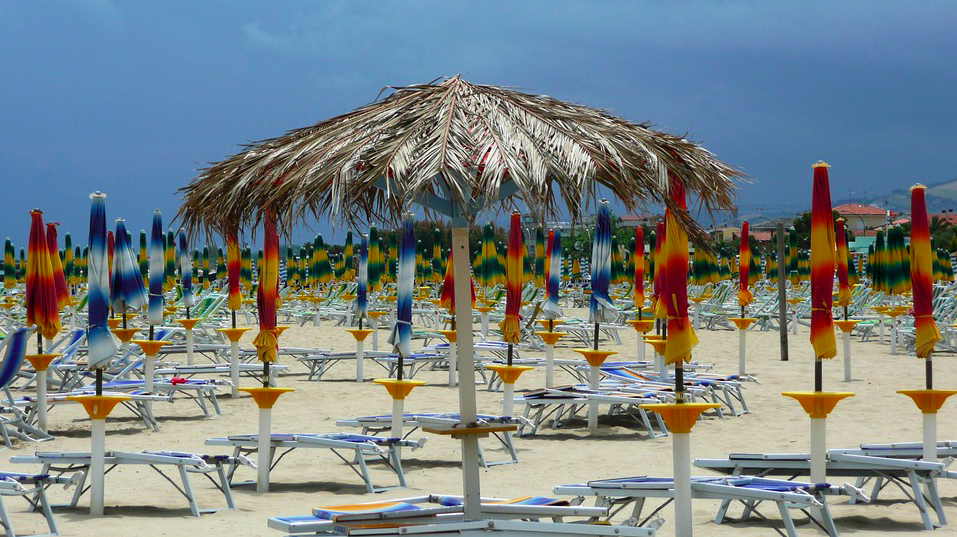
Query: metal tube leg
point(375, 334)
point(549, 365)
point(930, 437)
point(641, 347)
point(264, 460)
point(360, 359)
point(484, 325)
point(97, 465)
point(508, 399)
point(742, 350)
point(818, 457)
point(593, 405)
point(189, 347)
point(42, 400)
point(234, 367)
point(453, 364)
point(682, 466)
point(847, 356)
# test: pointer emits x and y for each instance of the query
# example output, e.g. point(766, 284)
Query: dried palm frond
point(476, 145)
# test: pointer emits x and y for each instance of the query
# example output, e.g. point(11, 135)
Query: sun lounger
point(253, 370)
point(376, 425)
point(618, 494)
point(443, 516)
point(32, 488)
point(720, 389)
point(14, 421)
point(908, 475)
point(138, 404)
point(562, 403)
point(320, 362)
point(362, 447)
point(184, 464)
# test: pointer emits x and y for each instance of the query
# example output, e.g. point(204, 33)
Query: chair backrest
point(13, 358)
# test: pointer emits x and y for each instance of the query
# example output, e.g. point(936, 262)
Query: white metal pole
point(930, 437)
point(549, 365)
point(681, 446)
point(662, 367)
point(818, 450)
point(893, 335)
point(263, 456)
point(485, 324)
point(375, 334)
point(742, 350)
point(398, 408)
point(847, 356)
point(453, 364)
point(360, 358)
point(881, 317)
point(641, 346)
point(97, 465)
point(42, 399)
point(592, 404)
point(189, 346)
point(467, 406)
point(508, 399)
point(149, 364)
point(234, 367)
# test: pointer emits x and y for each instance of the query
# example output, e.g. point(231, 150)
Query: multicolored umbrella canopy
point(843, 257)
point(393, 255)
point(157, 271)
point(877, 266)
point(186, 271)
point(548, 262)
point(375, 261)
point(437, 273)
point(362, 291)
point(822, 266)
point(448, 287)
point(324, 267)
point(207, 276)
point(144, 258)
point(920, 271)
point(639, 269)
point(59, 277)
point(9, 265)
point(69, 264)
point(653, 250)
point(771, 268)
point(618, 275)
point(681, 336)
point(540, 257)
point(169, 247)
point(220, 265)
point(514, 276)
point(42, 310)
point(601, 307)
point(348, 255)
point(401, 336)
point(551, 309)
point(422, 267)
point(744, 267)
point(852, 276)
point(792, 258)
point(234, 270)
point(661, 309)
point(128, 290)
point(101, 346)
point(267, 345)
point(247, 271)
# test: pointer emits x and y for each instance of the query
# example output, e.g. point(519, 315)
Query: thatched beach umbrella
point(456, 149)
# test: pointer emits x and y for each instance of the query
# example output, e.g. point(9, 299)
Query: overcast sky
point(132, 97)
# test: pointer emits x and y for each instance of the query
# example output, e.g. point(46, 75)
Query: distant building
point(725, 234)
point(635, 220)
point(860, 217)
point(769, 224)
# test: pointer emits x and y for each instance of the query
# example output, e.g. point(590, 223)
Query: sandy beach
point(139, 502)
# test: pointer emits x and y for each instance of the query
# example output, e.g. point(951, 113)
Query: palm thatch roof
point(475, 145)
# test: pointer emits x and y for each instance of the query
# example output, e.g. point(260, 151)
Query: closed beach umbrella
point(681, 336)
point(186, 271)
point(348, 253)
point(822, 268)
point(42, 310)
point(59, 277)
point(601, 308)
point(448, 288)
point(324, 274)
point(551, 308)
point(375, 261)
point(220, 266)
point(618, 275)
point(157, 272)
point(401, 336)
point(169, 247)
point(744, 268)
point(128, 290)
point(514, 275)
point(920, 271)
point(234, 269)
point(144, 258)
point(362, 291)
point(792, 257)
point(540, 257)
point(267, 346)
point(101, 345)
point(639, 275)
point(69, 263)
point(9, 266)
point(843, 257)
point(661, 309)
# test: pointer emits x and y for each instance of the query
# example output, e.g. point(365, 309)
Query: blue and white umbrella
point(157, 275)
point(186, 271)
point(401, 336)
point(601, 307)
point(362, 303)
point(128, 291)
point(100, 343)
point(551, 308)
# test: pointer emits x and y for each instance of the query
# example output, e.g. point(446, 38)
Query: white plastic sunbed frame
point(32, 488)
point(63, 462)
point(362, 449)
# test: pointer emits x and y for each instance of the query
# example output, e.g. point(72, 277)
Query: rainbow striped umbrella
point(401, 336)
point(843, 257)
point(792, 257)
point(207, 276)
point(540, 257)
point(348, 255)
point(267, 346)
point(375, 260)
point(186, 271)
point(639, 269)
point(920, 272)
point(681, 336)
point(550, 308)
point(42, 309)
point(771, 268)
point(618, 275)
point(362, 290)
point(101, 346)
point(852, 276)
point(157, 272)
point(69, 264)
point(247, 272)
point(822, 269)
point(9, 266)
point(59, 277)
point(234, 269)
point(514, 275)
point(220, 265)
point(601, 308)
point(144, 258)
point(448, 288)
point(744, 268)
point(437, 256)
point(128, 290)
point(169, 247)
point(324, 273)
point(660, 308)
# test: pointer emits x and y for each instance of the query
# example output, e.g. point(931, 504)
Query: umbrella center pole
point(929, 373)
point(818, 375)
point(99, 381)
point(595, 344)
point(233, 318)
point(679, 383)
point(266, 374)
point(151, 333)
point(187, 312)
point(510, 355)
point(845, 313)
point(39, 342)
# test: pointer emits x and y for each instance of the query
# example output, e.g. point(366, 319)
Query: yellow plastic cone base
point(188, 323)
point(794, 301)
point(818, 404)
point(125, 334)
point(509, 373)
point(643, 326)
point(348, 296)
point(846, 326)
point(99, 406)
point(658, 344)
point(265, 397)
point(114, 323)
point(41, 362)
point(680, 417)
point(544, 323)
point(233, 334)
point(550, 338)
point(376, 314)
point(399, 389)
point(593, 357)
point(742, 322)
point(483, 309)
point(928, 401)
point(360, 335)
point(450, 335)
point(150, 347)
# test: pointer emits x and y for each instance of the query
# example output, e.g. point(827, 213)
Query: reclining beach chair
point(363, 448)
point(443, 516)
point(723, 389)
point(213, 467)
point(562, 403)
point(32, 488)
point(13, 420)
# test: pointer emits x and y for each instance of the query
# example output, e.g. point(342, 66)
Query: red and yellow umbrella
point(514, 274)
point(661, 309)
point(266, 343)
point(233, 269)
point(921, 269)
point(42, 309)
point(448, 288)
point(59, 278)
point(639, 256)
point(681, 336)
point(822, 266)
point(744, 267)
point(843, 274)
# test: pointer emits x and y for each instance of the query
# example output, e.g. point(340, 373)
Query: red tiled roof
point(859, 209)
point(948, 217)
point(761, 236)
